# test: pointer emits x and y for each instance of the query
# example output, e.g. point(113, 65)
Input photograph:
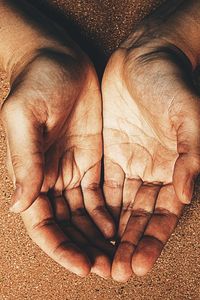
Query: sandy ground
point(25, 271)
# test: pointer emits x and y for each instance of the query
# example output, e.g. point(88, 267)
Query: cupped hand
point(151, 147)
point(53, 123)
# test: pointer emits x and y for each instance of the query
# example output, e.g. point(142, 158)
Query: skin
point(53, 122)
point(151, 138)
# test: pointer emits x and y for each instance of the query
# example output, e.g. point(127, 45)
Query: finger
point(186, 170)
point(24, 136)
point(9, 165)
point(60, 209)
point(187, 166)
point(160, 227)
point(45, 232)
point(100, 262)
point(51, 168)
point(113, 187)
point(59, 185)
point(94, 202)
point(81, 220)
point(131, 187)
point(141, 213)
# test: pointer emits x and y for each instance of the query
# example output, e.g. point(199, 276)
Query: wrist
point(183, 30)
point(174, 24)
point(24, 32)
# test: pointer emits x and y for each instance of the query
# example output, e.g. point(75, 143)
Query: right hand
point(52, 120)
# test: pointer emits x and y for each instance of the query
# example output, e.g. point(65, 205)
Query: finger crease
point(164, 212)
point(128, 243)
point(113, 184)
point(155, 239)
point(61, 246)
point(141, 213)
point(79, 212)
point(44, 223)
point(98, 209)
point(91, 187)
point(64, 223)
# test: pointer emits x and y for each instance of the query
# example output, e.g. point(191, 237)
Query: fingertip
point(82, 271)
point(184, 200)
point(184, 191)
point(16, 208)
point(145, 256)
point(24, 196)
point(15, 201)
point(19, 206)
point(139, 270)
point(104, 221)
point(78, 264)
point(121, 268)
point(185, 173)
point(109, 230)
point(140, 265)
point(101, 266)
point(120, 274)
point(188, 190)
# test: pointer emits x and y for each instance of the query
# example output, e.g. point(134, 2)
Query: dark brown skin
point(53, 121)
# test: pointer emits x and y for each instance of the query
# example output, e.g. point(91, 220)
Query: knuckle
point(126, 244)
point(112, 184)
point(127, 207)
point(43, 223)
point(98, 209)
point(16, 161)
point(141, 213)
point(91, 187)
point(59, 250)
point(79, 212)
point(184, 147)
point(160, 211)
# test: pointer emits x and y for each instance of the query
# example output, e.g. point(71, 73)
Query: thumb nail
point(16, 204)
point(188, 190)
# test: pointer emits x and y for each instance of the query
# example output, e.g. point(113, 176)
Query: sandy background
point(27, 273)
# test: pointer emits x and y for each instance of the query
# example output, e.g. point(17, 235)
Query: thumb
point(187, 166)
point(24, 139)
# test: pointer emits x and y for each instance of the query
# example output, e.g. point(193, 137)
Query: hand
point(151, 146)
point(53, 123)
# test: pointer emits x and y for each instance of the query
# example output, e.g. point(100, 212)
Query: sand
point(25, 271)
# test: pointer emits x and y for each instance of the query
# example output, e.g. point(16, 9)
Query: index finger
point(45, 232)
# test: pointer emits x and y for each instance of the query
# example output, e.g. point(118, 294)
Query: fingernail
point(16, 204)
point(188, 190)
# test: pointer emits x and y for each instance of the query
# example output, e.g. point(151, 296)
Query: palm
point(135, 137)
point(143, 122)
